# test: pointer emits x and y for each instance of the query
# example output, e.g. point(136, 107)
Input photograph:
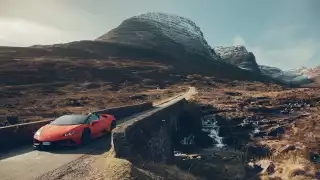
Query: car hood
point(54, 131)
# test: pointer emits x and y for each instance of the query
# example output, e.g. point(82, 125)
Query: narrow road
point(28, 164)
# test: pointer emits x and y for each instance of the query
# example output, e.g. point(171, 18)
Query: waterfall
point(188, 140)
point(209, 124)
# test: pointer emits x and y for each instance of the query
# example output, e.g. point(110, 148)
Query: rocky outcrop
point(169, 34)
point(239, 56)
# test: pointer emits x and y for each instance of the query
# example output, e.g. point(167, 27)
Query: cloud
point(19, 32)
point(282, 48)
point(238, 41)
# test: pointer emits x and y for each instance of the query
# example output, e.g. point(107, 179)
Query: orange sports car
point(70, 130)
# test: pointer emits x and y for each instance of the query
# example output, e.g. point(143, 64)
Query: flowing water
point(209, 124)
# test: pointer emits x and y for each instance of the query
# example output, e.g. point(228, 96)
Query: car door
point(95, 125)
point(108, 120)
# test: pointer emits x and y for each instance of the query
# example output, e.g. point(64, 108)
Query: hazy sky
point(282, 33)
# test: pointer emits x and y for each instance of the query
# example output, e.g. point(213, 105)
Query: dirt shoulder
point(106, 166)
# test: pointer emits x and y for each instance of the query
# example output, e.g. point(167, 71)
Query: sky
point(281, 33)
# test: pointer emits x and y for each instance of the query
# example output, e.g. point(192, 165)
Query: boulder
point(73, 102)
point(260, 134)
point(139, 97)
point(276, 131)
point(267, 166)
point(270, 168)
point(287, 148)
point(91, 85)
point(264, 110)
point(255, 150)
point(255, 168)
point(263, 166)
point(315, 157)
point(8, 106)
point(233, 93)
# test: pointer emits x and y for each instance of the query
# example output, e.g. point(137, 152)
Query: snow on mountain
point(310, 72)
point(169, 34)
point(296, 77)
point(238, 56)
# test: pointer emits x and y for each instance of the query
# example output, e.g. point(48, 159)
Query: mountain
point(239, 56)
point(169, 34)
point(311, 72)
point(294, 77)
point(163, 38)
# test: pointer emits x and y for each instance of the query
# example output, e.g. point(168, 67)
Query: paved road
point(25, 163)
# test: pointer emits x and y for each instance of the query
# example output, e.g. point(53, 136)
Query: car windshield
point(70, 120)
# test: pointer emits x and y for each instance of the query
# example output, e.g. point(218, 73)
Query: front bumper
point(65, 142)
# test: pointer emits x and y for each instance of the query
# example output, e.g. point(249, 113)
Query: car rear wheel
point(113, 125)
point(86, 137)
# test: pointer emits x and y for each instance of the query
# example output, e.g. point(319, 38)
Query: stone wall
point(22, 134)
point(126, 111)
point(148, 137)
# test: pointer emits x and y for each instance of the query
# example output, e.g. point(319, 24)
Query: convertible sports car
point(70, 130)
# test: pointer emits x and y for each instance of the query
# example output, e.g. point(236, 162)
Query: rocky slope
point(170, 34)
point(310, 72)
point(166, 38)
point(276, 128)
point(295, 77)
point(239, 56)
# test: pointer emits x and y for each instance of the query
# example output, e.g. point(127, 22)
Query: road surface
point(27, 164)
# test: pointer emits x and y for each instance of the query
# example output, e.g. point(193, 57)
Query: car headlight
point(69, 133)
point(38, 132)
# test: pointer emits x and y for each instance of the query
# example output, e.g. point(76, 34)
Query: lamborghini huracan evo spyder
point(70, 130)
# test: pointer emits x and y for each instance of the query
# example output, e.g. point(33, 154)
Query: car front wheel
point(86, 137)
point(38, 147)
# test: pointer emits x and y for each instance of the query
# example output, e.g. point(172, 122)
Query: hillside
point(138, 55)
point(50, 77)
point(154, 56)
